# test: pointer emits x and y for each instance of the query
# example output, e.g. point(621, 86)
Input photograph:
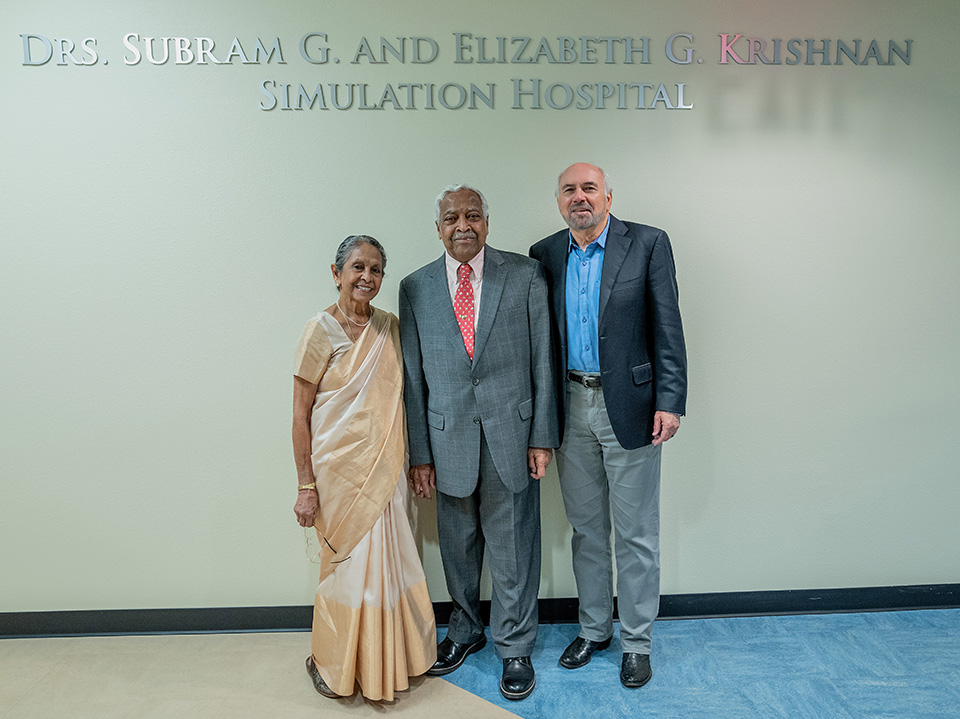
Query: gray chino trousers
point(601, 480)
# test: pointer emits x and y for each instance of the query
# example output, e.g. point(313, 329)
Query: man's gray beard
point(586, 224)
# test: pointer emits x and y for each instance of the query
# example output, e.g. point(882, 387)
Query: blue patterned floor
point(884, 665)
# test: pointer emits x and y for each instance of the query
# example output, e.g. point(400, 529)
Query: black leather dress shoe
point(518, 678)
point(580, 651)
point(450, 655)
point(635, 670)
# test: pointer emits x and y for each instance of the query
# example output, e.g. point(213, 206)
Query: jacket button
point(476, 420)
point(476, 381)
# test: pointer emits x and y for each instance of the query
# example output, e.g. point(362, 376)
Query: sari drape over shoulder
point(373, 620)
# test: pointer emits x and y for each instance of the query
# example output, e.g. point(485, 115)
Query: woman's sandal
point(318, 683)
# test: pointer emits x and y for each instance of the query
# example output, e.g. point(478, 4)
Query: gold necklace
point(350, 331)
point(352, 321)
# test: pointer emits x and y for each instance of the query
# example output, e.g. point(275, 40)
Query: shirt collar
point(601, 241)
point(476, 264)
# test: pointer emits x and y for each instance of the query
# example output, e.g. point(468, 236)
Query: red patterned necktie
point(463, 307)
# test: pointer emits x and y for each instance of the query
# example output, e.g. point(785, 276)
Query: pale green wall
point(164, 240)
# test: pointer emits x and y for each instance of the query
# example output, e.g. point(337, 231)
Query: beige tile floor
point(234, 676)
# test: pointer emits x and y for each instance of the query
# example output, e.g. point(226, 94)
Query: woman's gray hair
point(456, 188)
point(351, 243)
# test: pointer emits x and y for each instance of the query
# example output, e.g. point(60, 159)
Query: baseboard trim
point(298, 618)
point(810, 601)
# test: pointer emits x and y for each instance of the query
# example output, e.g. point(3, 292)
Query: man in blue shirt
point(621, 391)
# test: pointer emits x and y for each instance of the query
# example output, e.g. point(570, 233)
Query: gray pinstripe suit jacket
point(508, 388)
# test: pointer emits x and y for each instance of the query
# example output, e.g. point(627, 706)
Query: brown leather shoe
point(318, 683)
point(635, 670)
point(580, 651)
point(451, 654)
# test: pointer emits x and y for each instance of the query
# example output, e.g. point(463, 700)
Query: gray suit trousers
point(600, 479)
point(463, 525)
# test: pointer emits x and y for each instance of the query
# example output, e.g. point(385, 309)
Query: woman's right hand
point(307, 506)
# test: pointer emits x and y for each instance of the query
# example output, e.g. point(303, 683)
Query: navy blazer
point(643, 362)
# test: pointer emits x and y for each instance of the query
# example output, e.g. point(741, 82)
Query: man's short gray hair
point(607, 186)
point(449, 189)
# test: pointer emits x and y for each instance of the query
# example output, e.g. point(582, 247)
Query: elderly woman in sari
point(373, 621)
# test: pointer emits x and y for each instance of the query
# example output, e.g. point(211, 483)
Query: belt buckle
point(585, 380)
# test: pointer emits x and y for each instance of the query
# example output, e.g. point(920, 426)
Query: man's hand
point(665, 425)
point(422, 478)
point(538, 459)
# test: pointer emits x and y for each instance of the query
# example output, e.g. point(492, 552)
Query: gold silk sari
point(373, 621)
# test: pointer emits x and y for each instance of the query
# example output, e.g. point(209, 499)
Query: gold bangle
point(312, 485)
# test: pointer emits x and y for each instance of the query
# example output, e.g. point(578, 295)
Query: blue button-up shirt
point(583, 303)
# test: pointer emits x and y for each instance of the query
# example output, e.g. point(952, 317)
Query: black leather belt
point(591, 381)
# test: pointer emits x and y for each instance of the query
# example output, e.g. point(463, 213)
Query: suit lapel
point(615, 252)
point(555, 261)
point(439, 297)
point(494, 279)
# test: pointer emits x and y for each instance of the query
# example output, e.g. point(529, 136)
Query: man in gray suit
point(622, 389)
point(481, 417)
